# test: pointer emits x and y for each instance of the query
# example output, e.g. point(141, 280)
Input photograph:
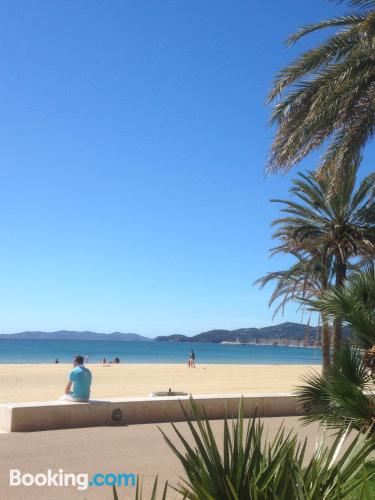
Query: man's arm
point(70, 383)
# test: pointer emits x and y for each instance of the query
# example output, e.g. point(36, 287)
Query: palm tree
point(326, 97)
point(306, 279)
point(339, 225)
point(354, 304)
point(345, 394)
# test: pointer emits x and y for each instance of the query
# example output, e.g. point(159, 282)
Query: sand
point(43, 382)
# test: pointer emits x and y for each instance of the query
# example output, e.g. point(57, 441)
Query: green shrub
point(247, 466)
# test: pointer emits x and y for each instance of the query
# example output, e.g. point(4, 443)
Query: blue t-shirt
point(81, 378)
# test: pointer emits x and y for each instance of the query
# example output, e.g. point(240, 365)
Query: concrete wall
point(16, 417)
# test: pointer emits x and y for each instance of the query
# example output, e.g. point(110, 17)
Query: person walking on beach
point(80, 378)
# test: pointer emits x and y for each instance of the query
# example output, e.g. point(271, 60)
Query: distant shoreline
point(34, 351)
point(257, 344)
point(271, 344)
point(284, 334)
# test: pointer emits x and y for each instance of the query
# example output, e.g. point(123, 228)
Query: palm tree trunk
point(326, 346)
point(337, 324)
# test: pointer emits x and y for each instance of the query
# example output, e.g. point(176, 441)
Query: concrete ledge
point(20, 417)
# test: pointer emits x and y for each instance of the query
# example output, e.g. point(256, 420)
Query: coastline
point(273, 344)
point(46, 351)
point(46, 382)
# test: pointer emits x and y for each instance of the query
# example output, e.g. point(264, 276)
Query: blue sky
point(133, 142)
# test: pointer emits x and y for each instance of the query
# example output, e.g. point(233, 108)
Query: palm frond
point(342, 396)
point(324, 98)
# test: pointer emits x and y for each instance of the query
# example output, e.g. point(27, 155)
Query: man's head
point(78, 360)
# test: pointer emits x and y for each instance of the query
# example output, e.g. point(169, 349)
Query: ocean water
point(46, 351)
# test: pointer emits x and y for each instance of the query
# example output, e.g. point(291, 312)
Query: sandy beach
point(42, 382)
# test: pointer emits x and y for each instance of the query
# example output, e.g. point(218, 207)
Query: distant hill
point(283, 334)
point(72, 335)
point(173, 338)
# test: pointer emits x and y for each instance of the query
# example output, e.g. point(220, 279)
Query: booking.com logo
point(63, 479)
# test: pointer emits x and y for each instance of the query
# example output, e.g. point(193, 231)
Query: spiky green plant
point(343, 396)
point(139, 491)
point(246, 466)
point(354, 304)
point(346, 392)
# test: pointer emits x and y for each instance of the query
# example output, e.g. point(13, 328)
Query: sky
point(133, 140)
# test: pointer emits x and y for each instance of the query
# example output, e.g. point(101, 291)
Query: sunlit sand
point(46, 382)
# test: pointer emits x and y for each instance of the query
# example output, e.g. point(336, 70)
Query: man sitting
point(80, 377)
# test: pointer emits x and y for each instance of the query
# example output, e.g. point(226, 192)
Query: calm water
point(46, 351)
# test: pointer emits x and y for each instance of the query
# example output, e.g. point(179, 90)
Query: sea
point(47, 351)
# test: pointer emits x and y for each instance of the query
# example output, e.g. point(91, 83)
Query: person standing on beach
point(80, 378)
point(192, 359)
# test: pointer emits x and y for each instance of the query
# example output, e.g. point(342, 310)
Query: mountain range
point(72, 335)
point(282, 334)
